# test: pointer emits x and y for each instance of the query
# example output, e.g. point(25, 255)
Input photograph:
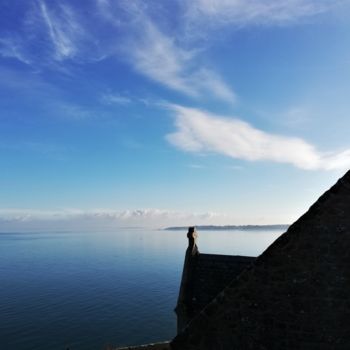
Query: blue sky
point(132, 113)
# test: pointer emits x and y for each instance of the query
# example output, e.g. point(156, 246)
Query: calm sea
point(87, 290)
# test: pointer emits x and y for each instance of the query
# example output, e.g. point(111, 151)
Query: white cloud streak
point(156, 52)
point(12, 47)
point(159, 54)
point(114, 98)
point(202, 132)
point(158, 57)
point(240, 13)
point(162, 55)
point(64, 30)
point(136, 37)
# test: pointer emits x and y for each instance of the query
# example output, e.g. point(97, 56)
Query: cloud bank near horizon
point(198, 131)
point(27, 219)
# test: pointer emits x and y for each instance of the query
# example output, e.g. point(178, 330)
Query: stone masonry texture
point(209, 274)
point(296, 295)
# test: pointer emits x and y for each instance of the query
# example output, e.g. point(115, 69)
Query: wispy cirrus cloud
point(135, 34)
point(241, 13)
point(202, 132)
point(50, 34)
point(11, 46)
point(63, 28)
point(115, 98)
point(159, 57)
point(163, 55)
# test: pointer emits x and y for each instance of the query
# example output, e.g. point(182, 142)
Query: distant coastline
point(230, 227)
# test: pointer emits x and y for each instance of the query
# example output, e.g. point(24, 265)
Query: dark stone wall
point(183, 308)
point(212, 273)
point(203, 277)
point(295, 296)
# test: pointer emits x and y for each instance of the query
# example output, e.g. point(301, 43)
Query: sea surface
point(83, 290)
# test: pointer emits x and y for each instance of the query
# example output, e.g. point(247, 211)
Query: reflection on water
point(87, 290)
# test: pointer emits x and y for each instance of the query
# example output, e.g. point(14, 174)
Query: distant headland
point(230, 227)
